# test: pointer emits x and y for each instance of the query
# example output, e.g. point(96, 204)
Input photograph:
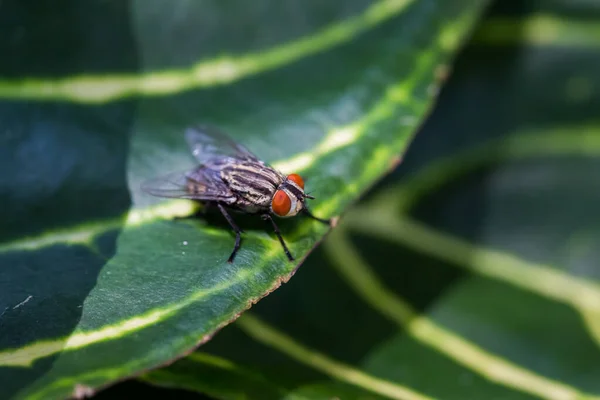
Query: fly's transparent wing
point(193, 185)
point(208, 143)
point(173, 185)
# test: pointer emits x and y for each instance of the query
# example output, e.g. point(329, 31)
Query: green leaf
point(101, 281)
point(472, 271)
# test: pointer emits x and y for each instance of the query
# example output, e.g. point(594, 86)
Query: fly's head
point(289, 197)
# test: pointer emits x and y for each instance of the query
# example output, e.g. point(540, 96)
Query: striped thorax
point(252, 181)
point(260, 186)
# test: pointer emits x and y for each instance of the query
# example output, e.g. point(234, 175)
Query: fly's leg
point(238, 232)
point(268, 217)
point(311, 215)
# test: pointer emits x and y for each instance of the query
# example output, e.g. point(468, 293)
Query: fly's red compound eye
point(297, 179)
point(281, 203)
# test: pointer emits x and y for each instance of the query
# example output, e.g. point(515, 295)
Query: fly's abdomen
point(255, 182)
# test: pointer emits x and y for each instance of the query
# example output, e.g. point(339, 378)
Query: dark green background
point(542, 209)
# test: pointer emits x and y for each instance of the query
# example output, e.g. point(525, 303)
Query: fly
point(231, 177)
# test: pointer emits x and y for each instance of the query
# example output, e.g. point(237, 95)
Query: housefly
point(231, 177)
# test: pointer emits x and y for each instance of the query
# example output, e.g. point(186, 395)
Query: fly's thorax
point(253, 181)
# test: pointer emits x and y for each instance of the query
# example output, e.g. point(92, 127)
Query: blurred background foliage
point(469, 272)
